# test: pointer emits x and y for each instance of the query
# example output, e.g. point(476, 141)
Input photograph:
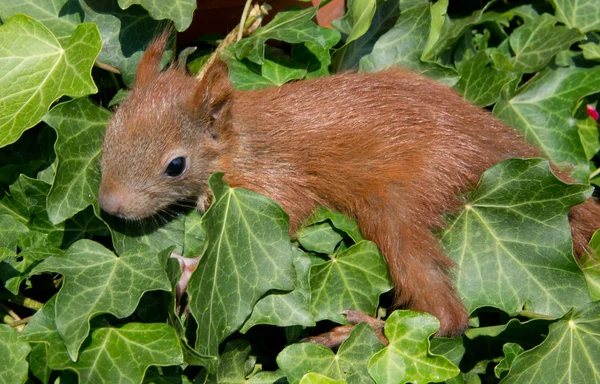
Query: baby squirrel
point(390, 149)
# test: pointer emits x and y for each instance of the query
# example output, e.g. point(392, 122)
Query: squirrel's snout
point(112, 201)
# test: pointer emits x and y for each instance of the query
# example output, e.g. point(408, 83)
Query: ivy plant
point(88, 298)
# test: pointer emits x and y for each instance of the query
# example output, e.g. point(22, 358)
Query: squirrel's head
point(166, 139)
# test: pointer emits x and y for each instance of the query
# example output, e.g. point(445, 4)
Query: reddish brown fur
point(392, 149)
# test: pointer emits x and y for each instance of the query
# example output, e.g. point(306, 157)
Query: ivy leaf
point(13, 356)
point(541, 110)
point(479, 82)
point(320, 237)
point(98, 282)
point(404, 44)
point(445, 32)
point(591, 51)
point(570, 352)
point(309, 51)
point(590, 266)
point(292, 26)
point(47, 70)
point(284, 309)
point(407, 357)
point(354, 279)
point(238, 366)
point(339, 221)
point(582, 14)
point(511, 351)
point(315, 378)
point(348, 56)
point(10, 229)
point(512, 241)
point(180, 11)
point(536, 42)
point(248, 254)
point(350, 362)
point(126, 235)
point(38, 363)
point(125, 34)
point(277, 69)
point(357, 20)
point(79, 125)
point(453, 349)
point(123, 354)
point(41, 329)
point(59, 16)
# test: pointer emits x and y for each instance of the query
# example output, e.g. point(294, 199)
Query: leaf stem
point(594, 174)
point(240, 33)
point(107, 67)
point(254, 16)
point(535, 315)
point(26, 302)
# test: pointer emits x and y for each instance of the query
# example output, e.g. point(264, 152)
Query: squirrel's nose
point(111, 201)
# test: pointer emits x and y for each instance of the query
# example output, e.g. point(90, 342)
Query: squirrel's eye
point(175, 167)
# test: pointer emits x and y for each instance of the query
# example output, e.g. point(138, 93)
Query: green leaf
point(541, 110)
point(321, 238)
point(238, 366)
point(10, 229)
point(277, 69)
point(315, 378)
point(180, 11)
point(59, 16)
point(350, 362)
point(127, 235)
point(452, 349)
point(512, 241)
point(125, 34)
point(38, 362)
point(511, 351)
point(536, 42)
point(357, 20)
point(445, 31)
point(285, 309)
point(79, 125)
point(404, 44)
point(590, 266)
point(587, 129)
point(292, 26)
point(569, 354)
point(582, 14)
point(30, 52)
point(98, 282)
point(479, 82)
point(354, 279)
point(316, 57)
point(348, 56)
point(591, 51)
point(13, 357)
point(248, 254)
point(407, 357)
point(120, 354)
point(123, 354)
point(339, 221)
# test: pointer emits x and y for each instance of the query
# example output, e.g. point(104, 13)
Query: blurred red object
point(592, 112)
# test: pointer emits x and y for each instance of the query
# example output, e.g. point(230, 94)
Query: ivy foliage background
point(91, 299)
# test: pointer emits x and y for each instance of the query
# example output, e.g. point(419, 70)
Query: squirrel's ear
point(214, 89)
point(149, 66)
